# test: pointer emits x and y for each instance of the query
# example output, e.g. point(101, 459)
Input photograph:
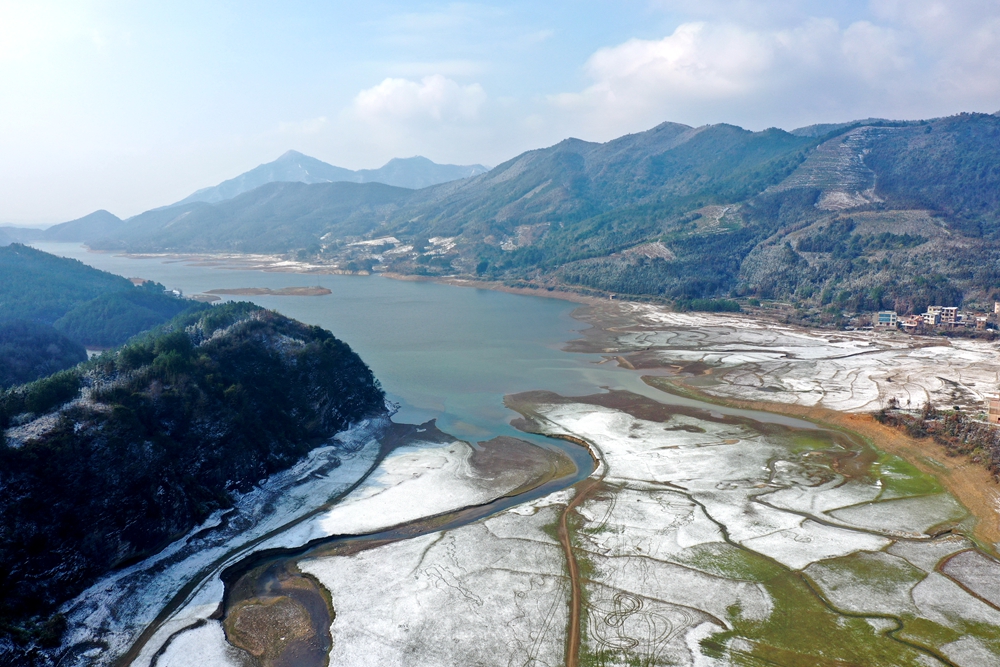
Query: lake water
point(442, 352)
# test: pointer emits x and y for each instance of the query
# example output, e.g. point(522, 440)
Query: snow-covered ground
point(851, 371)
point(414, 481)
point(704, 532)
point(489, 593)
point(692, 530)
point(106, 619)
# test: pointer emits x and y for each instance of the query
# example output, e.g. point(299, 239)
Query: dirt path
point(970, 483)
point(576, 586)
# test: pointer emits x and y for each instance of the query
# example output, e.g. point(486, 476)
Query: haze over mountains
point(838, 218)
point(294, 167)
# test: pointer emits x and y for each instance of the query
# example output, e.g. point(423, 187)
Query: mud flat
point(244, 262)
point(699, 539)
point(276, 609)
point(267, 291)
point(720, 540)
point(832, 378)
point(745, 358)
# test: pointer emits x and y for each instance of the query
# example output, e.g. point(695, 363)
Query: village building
point(994, 414)
point(912, 323)
point(885, 319)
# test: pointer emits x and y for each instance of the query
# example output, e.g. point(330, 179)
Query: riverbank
point(970, 483)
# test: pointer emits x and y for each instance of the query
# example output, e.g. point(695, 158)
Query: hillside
point(415, 172)
point(832, 219)
point(272, 218)
point(30, 350)
point(66, 304)
point(35, 285)
point(108, 462)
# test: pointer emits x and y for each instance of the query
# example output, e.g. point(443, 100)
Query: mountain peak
point(292, 166)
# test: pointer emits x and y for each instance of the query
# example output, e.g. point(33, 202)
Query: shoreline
point(971, 484)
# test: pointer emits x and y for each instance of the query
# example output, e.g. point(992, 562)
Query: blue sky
point(128, 105)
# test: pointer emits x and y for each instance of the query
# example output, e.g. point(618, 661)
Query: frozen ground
point(106, 619)
point(490, 593)
point(708, 541)
point(733, 529)
point(414, 481)
point(754, 359)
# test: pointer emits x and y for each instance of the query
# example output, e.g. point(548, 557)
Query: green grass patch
point(726, 560)
point(803, 632)
point(901, 479)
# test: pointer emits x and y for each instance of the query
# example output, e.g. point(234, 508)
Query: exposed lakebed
point(705, 535)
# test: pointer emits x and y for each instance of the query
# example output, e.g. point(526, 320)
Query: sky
point(127, 105)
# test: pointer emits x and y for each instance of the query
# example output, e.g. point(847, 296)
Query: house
point(994, 414)
point(912, 323)
point(885, 319)
point(996, 307)
point(981, 322)
point(933, 316)
point(949, 315)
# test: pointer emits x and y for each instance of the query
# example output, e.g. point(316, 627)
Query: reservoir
point(695, 536)
point(441, 352)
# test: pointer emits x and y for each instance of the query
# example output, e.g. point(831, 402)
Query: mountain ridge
point(293, 166)
point(867, 215)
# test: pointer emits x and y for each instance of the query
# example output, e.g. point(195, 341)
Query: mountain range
point(294, 167)
point(832, 219)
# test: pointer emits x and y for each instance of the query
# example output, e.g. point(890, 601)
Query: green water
point(442, 352)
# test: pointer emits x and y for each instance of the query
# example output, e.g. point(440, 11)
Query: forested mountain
point(272, 218)
point(415, 172)
point(35, 285)
point(113, 318)
point(109, 461)
point(51, 306)
point(836, 219)
point(30, 350)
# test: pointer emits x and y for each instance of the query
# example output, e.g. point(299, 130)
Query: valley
point(617, 523)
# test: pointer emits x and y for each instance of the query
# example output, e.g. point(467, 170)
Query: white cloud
point(433, 98)
point(911, 63)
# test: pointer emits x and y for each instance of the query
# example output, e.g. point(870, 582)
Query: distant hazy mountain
point(270, 218)
point(294, 167)
point(98, 224)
